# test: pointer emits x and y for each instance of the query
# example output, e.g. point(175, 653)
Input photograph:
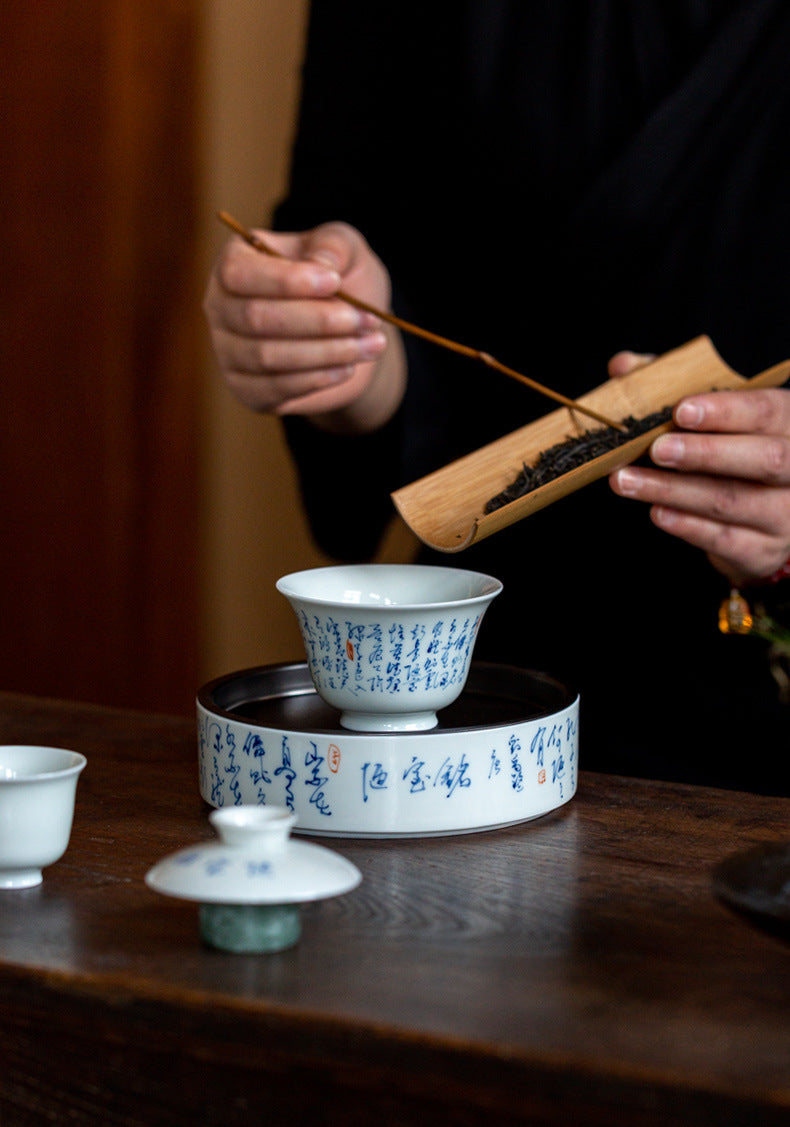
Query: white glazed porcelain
point(37, 791)
point(389, 644)
point(255, 861)
point(250, 883)
point(264, 736)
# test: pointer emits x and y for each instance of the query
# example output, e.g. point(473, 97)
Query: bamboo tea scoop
point(446, 509)
point(406, 326)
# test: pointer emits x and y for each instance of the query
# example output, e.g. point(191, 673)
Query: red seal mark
point(542, 775)
point(333, 758)
point(350, 650)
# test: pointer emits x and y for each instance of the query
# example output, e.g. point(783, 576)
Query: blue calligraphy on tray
point(374, 777)
point(218, 747)
point(450, 775)
point(302, 773)
point(260, 778)
point(287, 773)
point(516, 770)
point(316, 781)
point(557, 744)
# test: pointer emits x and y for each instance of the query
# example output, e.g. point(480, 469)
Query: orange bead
point(735, 615)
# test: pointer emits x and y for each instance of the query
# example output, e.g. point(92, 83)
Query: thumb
point(335, 245)
point(623, 363)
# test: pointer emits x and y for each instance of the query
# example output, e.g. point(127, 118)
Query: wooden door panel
point(99, 350)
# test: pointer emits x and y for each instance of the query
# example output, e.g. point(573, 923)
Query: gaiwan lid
point(254, 862)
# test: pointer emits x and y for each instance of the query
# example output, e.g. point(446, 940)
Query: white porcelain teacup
point(389, 644)
point(37, 791)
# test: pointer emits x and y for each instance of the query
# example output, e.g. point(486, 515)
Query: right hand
point(285, 345)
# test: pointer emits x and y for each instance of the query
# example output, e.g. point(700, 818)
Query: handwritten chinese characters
point(517, 772)
point(393, 658)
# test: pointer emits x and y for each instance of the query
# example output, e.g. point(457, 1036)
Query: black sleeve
point(368, 127)
point(345, 484)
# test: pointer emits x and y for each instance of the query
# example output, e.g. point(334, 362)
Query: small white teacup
point(37, 791)
point(389, 644)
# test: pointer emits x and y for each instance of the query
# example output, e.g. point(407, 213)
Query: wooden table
point(574, 970)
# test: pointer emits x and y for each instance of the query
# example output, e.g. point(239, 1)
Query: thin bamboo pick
point(406, 326)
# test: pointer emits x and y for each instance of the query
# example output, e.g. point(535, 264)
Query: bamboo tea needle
point(406, 326)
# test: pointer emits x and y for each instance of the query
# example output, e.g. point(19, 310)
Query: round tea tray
point(505, 751)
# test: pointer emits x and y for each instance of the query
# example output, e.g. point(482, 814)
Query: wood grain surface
point(576, 969)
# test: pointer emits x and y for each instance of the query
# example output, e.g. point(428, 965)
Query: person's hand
point(285, 345)
point(723, 482)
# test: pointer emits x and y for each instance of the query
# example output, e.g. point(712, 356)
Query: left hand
point(724, 479)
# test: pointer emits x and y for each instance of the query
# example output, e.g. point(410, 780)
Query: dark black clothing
point(552, 179)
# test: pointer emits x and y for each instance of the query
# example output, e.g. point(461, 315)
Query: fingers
point(270, 356)
point(279, 335)
point(740, 434)
point(623, 363)
point(753, 457)
point(243, 271)
point(267, 372)
point(729, 493)
point(741, 553)
point(755, 411)
point(282, 318)
point(291, 394)
point(745, 525)
point(336, 246)
point(722, 501)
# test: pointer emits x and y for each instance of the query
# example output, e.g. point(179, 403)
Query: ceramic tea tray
point(504, 752)
point(446, 509)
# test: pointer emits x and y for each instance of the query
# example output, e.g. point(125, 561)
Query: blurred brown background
point(144, 516)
